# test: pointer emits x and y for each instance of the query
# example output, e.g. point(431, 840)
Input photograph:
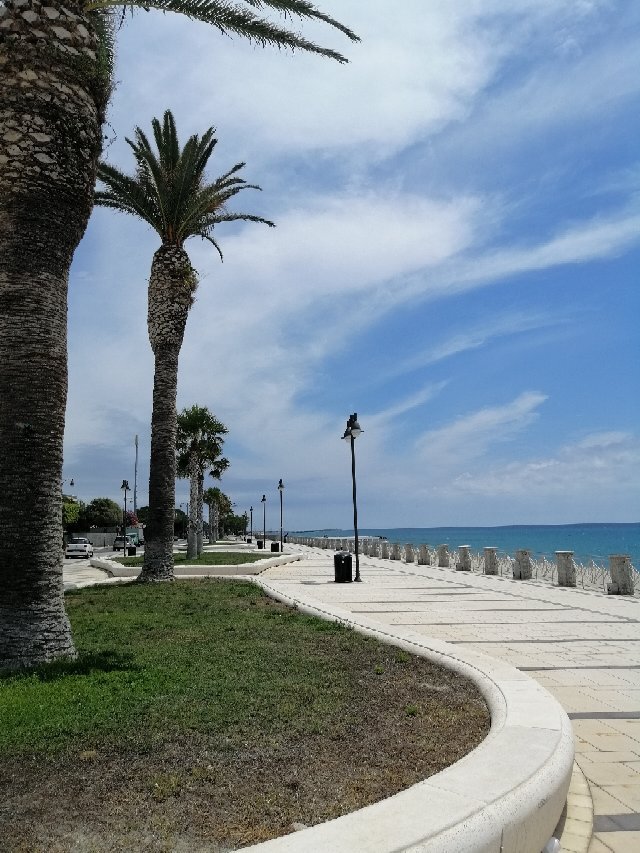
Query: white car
point(79, 548)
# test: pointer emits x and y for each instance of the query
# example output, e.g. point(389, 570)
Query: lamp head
point(353, 429)
point(280, 484)
point(125, 484)
point(263, 499)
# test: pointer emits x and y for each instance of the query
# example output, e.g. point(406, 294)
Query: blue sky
point(456, 260)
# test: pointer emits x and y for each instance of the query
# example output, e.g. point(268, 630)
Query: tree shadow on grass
point(87, 663)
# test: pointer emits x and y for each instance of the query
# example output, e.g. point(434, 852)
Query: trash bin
point(131, 551)
point(260, 543)
point(275, 546)
point(342, 567)
point(249, 540)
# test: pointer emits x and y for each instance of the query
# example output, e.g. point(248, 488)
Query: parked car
point(121, 542)
point(79, 547)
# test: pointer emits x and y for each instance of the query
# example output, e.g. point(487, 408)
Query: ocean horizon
point(590, 541)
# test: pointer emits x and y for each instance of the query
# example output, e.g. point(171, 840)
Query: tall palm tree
point(55, 84)
point(169, 192)
point(199, 443)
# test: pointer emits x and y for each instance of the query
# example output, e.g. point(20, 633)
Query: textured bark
point(200, 528)
point(211, 509)
point(192, 536)
point(170, 297)
point(216, 522)
point(49, 144)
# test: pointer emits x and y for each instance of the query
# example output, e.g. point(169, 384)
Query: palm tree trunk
point(216, 522)
point(192, 540)
point(200, 533)
point(50, 140)
point(170, 297)
point(210, 507)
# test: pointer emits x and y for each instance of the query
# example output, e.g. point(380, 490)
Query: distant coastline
point(589, 541)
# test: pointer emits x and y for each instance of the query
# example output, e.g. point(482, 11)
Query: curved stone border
point(506, 796)
point(117, 570)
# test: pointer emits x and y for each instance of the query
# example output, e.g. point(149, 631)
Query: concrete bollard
point(395, 551)
point(464, 559)
point(566, 568)
point(384, 550)
point(621, 575)
point(424, 558)
point(408, 552)
point(522, 565)
point(490, 561)
point(443, 556)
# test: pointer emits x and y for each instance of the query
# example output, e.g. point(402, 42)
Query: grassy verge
point(204, 715)
point(207, 558)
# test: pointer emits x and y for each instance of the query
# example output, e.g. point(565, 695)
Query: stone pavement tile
point(599, 756)
point(628, 795)
point(573, 843)
point(598, 846)
point(610, 773)
point(623, 699)
point(628, 728)
point(605, 803)
point(575, 699)
point(618, 842)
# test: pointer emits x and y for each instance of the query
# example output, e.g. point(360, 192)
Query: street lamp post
point(125, 488)
point(352, 431)
point(251, 528)
point(281, 490)
point(263, 501)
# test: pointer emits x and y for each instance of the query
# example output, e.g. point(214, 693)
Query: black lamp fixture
point(281, 490)
point(263, 501)
point(352, 431)
point(125, 488)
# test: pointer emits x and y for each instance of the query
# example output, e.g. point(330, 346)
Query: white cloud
point(470, 436)
point(600, 462)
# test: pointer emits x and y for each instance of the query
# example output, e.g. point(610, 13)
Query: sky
point(455, 259)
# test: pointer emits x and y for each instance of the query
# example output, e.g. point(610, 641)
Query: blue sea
point(588, 541)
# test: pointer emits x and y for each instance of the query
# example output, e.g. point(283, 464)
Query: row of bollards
point(620, 567)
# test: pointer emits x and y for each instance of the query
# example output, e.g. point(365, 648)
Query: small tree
point(101, 512)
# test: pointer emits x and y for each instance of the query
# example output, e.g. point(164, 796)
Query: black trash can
point(260, 544)
point(131, 551)
point(249, 540)
point(342, 567)
point(275, 546)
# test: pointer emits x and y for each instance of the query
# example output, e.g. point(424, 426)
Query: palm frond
point(230, 18)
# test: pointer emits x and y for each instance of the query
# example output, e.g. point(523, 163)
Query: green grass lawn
point(207, 558)
point(205, 715)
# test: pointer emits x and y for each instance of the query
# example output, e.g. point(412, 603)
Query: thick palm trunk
point(170, 295)
point(192, 538)
point(49, 144)
point(210, 507)
point(200, 528)
point(216, 522)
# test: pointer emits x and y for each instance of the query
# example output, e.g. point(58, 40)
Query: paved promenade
point(582, 646)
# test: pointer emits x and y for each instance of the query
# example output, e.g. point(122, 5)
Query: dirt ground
point(212, 793)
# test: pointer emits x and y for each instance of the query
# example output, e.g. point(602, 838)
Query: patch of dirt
point(209, 793)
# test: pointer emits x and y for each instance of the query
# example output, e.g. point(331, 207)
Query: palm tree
point(169, 192)
point(55, 85)
point(199, 443)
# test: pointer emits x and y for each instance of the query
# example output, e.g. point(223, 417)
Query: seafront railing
point(620, 577)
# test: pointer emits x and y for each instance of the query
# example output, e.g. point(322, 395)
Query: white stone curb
point(504, 797)
point(117, 570)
